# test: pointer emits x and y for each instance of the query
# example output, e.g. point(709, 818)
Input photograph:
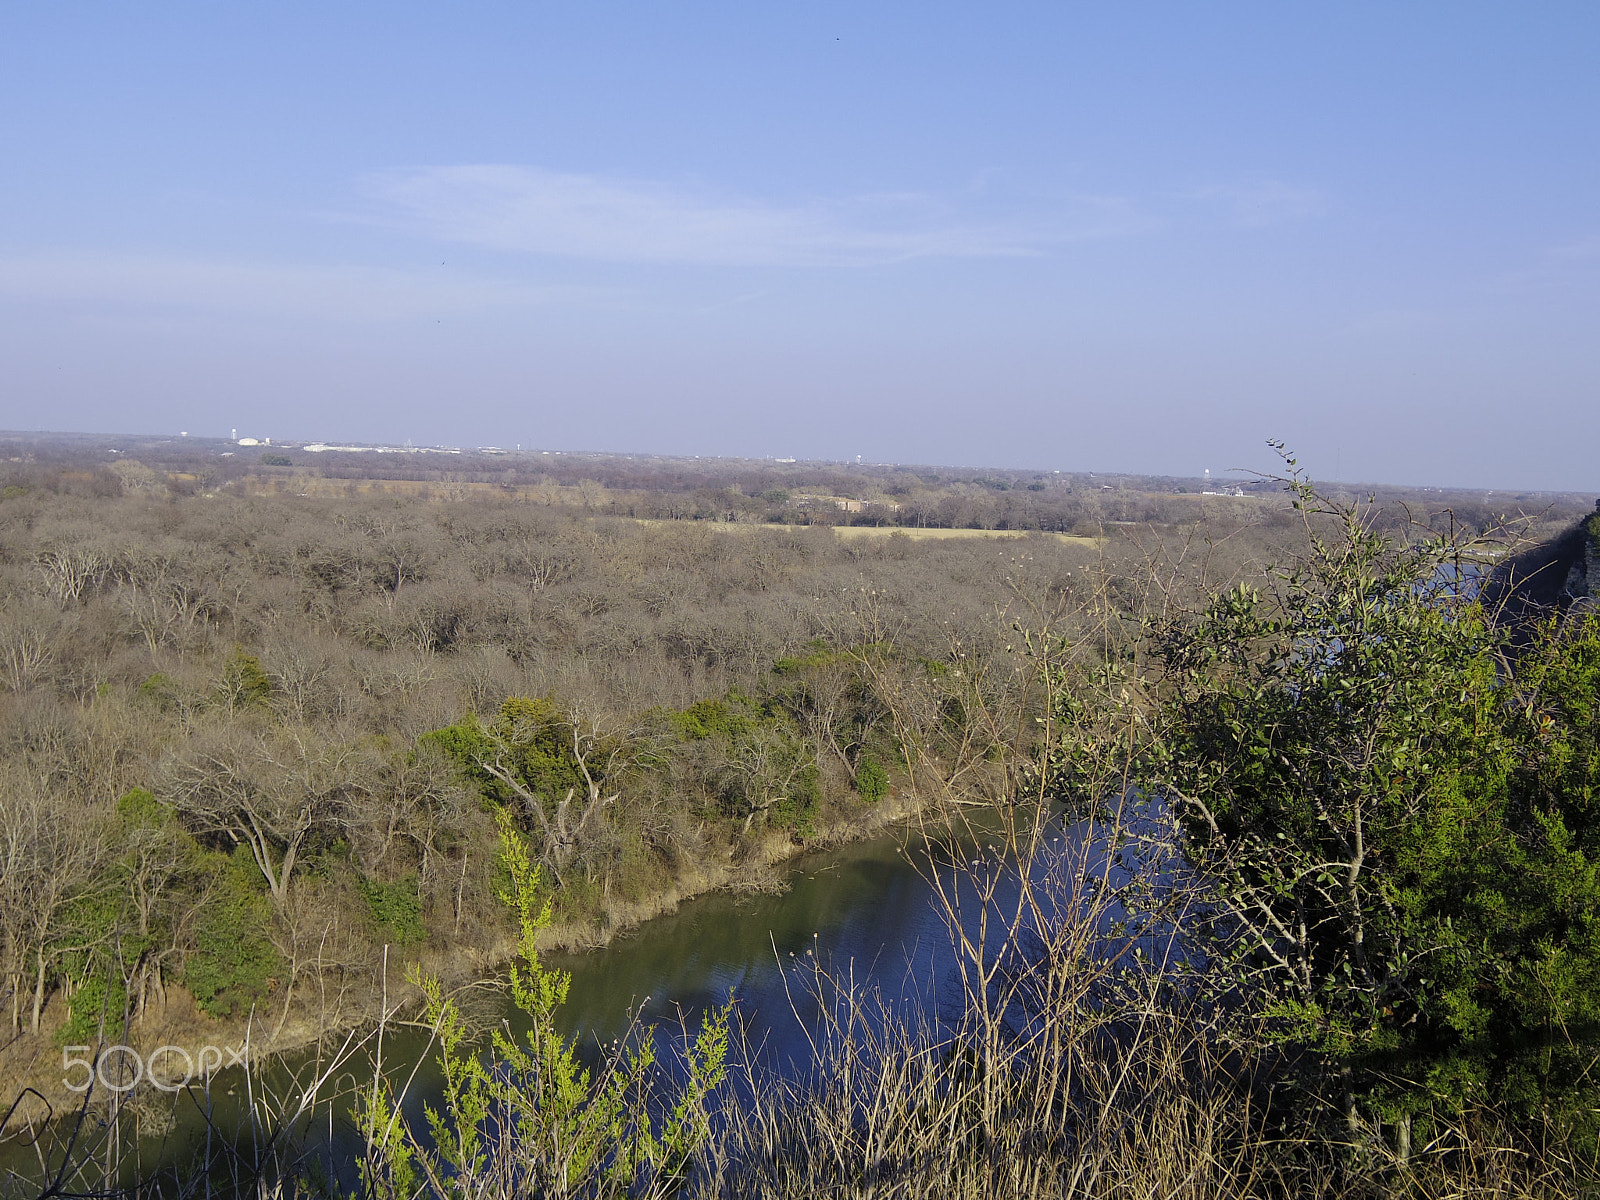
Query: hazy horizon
point(1273, 467)
point(1056, 237)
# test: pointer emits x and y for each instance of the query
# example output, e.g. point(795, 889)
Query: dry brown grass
point(849, 532)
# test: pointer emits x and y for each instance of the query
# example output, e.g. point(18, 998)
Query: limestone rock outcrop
point(1551, 578)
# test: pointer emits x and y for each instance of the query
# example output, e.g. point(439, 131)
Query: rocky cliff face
point(1583, 579)
point(1550, 578)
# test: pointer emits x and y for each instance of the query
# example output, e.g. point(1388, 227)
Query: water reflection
point(865, 910)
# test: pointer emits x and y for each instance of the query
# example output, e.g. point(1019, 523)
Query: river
point(866, 910)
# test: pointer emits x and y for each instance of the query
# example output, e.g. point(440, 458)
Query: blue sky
point(1135, 237)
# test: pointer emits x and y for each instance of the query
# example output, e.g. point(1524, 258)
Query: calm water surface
point(865, 909)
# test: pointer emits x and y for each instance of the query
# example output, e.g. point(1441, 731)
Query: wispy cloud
point(533, 211)
point(296, 290)
point(1254, 203)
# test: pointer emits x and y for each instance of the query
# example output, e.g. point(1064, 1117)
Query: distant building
point(248, 442)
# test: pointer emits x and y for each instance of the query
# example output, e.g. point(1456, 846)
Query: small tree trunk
point(461, 886)
point(38, 992)
point(1352, 1116)
point(1402, 1143)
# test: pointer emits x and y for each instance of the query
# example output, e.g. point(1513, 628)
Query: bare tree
point(49, 852)
point(763, 768)
point(267, 792)
point(540, 563)
point(416, 803)
point(300, 674)
point(402, 560)
point(71, 568)
point(27, 646)
point(600, 749)
point(154, 858)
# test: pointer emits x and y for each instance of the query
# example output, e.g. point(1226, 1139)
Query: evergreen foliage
point(244, 683)
point(1395, 821)
point(726, 718)
point(111, 934)
point(396, 907)
point(525, 738)
point(872, 781)
point(234, 963)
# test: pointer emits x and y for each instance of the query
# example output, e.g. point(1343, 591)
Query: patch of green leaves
point(872, 780)
point(528, 1109)
point(233, 964)
point(396, 907)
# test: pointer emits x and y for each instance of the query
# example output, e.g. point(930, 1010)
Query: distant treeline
point(723, 490)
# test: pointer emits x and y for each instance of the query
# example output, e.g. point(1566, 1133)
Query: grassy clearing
point(850, 532)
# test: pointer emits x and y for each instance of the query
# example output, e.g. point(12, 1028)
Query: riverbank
point(176, 1038)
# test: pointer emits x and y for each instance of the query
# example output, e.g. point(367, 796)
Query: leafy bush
point(244, 683)
point(233, 964)
point(160, 689)
point(139, 808)
point(530, 1111)
point(872, 781)
point(102, 997)
point(396, 906)
point(526, 739)
point(712, 718)
point(102, 941)
point(818, 654)
point(798, 809)
point(1401, 841)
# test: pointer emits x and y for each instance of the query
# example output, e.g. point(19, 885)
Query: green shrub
point(527, 738)
point(138, 808)
point(397, 907)
point(101, 995)
point(159, 689)
point(526, 1108)
point(872, 781)
point(244, 683)
point(709, 718)
point(101, 939)
point(1400, 822)
point(798, 810)
point(818, 654)
point(233, 964)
